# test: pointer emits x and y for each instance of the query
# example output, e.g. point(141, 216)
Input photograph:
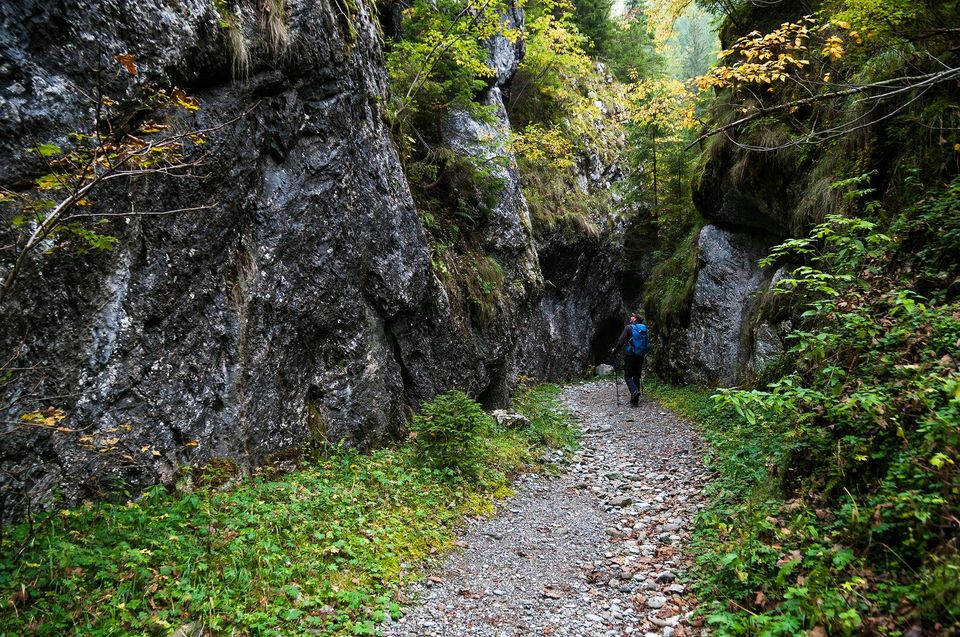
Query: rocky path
point(599, 550)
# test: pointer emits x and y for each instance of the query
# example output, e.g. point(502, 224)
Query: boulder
point(510, 420)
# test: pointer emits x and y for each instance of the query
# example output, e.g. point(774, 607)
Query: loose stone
point(592, 552)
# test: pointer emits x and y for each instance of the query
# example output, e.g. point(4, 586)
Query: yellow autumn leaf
point(184, 100)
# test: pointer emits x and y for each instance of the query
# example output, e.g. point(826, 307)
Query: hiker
point(634, 336)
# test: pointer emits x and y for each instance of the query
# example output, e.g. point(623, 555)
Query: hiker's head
point(634, 318)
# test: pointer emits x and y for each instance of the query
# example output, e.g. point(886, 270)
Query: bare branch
point(144, 213)
point(921, 81)
point(113, 170)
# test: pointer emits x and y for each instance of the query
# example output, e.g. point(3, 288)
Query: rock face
point(269, 319)
point(506, 49)
point(718, 338)
point(581, 313)
point(300, 304)
point(507, 229)
point(746, 191)
point(747, 199)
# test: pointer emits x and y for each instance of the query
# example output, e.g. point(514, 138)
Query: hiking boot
point(635, 398)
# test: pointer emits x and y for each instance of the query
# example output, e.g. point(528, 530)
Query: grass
point(323, 550)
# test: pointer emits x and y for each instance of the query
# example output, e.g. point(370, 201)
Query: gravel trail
point(598, 550)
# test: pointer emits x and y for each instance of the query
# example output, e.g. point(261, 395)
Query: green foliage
point(592, 19)
point(662, 119)
point(835, 507)
point(440, 61)
point(669, 289)
point(323, 550)
point(931, 232)
point(559, 89)
point(550, 422)
point(564, 107)
point(630, 52)
point(839, 480)
point(692, 48)
point(878, 18)
point(448, 431)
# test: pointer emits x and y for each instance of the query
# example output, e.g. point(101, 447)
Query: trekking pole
point(642, 363)
point(616, 379)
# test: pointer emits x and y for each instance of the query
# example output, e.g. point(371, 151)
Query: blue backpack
point(638, 339)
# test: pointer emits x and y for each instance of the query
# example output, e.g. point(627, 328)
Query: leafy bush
point(448, 432)
point(841, 476)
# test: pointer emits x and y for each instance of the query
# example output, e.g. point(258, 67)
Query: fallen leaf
point(184, 100)
point(126, 60)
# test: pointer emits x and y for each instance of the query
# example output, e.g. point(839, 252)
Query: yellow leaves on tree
point(833, 48)
point(48, 418)
point(662, 15)
point(667, 105)
point(759, 59)
point(182, 99)
point(537, 144)
point(562, 98)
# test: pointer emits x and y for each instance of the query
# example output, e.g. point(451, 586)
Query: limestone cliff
point(300, 305)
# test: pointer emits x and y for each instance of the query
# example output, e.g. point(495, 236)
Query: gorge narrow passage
point(602, 549)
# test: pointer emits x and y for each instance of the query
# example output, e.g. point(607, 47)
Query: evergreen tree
point(592, 18)
point(631, 52)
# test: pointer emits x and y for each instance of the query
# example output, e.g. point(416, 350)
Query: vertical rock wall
point(301, 304)
point(718, 344)
point(747, 199)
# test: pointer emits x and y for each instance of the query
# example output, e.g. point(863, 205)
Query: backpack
point(638, 339)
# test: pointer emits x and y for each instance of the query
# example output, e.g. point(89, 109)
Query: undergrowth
point(835, 505)
point(322, 550)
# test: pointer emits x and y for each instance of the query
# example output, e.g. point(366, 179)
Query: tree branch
point(921, 82)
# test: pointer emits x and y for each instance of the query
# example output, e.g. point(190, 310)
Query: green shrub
point(449, 431)
point(837, 480)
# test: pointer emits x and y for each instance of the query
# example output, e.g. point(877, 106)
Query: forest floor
point(601, 549)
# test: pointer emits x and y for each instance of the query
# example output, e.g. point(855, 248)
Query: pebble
point(656, 602)
point(594, 551)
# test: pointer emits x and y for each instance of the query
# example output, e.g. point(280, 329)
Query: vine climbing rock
point(601, 549)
